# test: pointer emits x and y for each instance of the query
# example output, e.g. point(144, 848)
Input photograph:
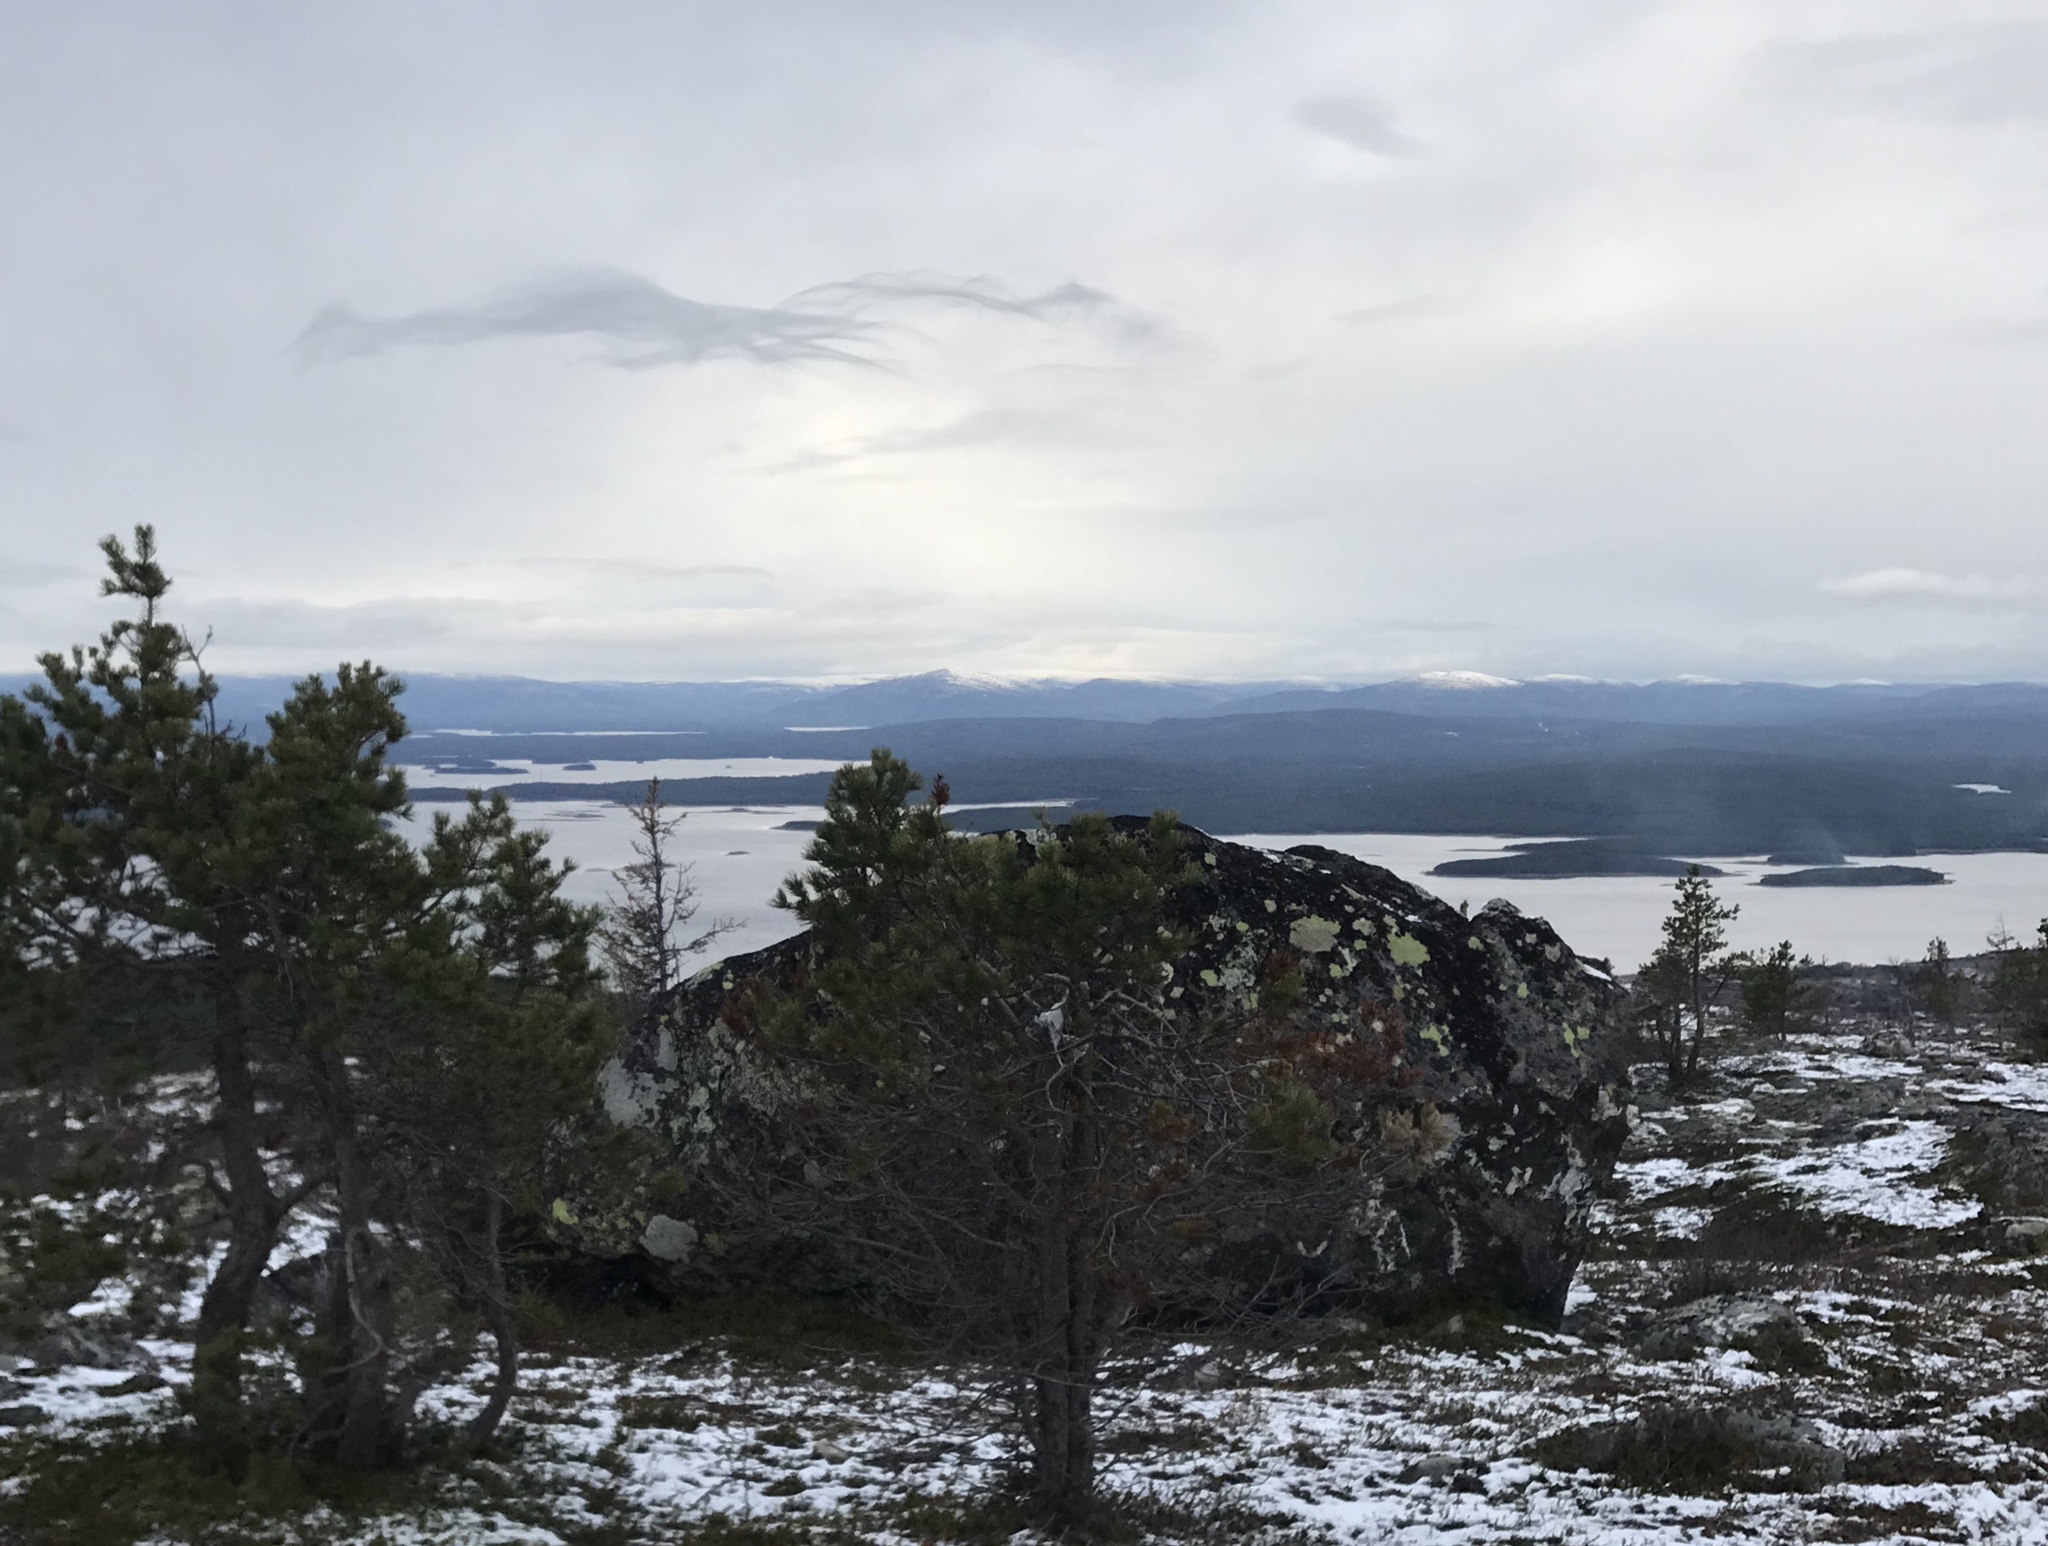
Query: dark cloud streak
point(825, 323)
point(663, 328)
point(1361, 123)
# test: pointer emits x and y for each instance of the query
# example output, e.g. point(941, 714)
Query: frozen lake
point(601, 771)
point(1617, 916)
point(740, 857)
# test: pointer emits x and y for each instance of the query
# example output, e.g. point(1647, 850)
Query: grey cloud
point(1990, 74)
point(979, 291)
point(659, 327)
point(244, 623)
point(659, 591)
point(1068, 302)
point(1361, 123)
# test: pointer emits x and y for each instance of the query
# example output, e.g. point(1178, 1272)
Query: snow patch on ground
point(1422, 1437)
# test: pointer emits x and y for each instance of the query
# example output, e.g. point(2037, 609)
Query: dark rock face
point(1518, 1044)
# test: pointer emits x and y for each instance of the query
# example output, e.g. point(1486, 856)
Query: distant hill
point(516, 705)
point(1657, 770)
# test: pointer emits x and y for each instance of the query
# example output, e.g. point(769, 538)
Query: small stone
point(77, 1347)
point(23, 1416)
point(2026, 1237)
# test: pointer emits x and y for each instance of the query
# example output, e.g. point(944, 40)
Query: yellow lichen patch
point(1312, 935)
point(1575, 1039)
point(1405, 948)
point(1434, 1035)
point(562, 1212)
point(1521, 990)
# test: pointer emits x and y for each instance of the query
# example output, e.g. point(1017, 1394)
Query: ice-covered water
point(595, 770)
point(1617, 916)
point(740, 858)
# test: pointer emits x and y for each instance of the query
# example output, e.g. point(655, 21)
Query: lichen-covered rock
point(1515, 1048)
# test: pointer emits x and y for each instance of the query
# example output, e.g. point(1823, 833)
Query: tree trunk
point(254, 1215)
point(370, 1331)
point(1063, 1386)
point(498, 1320)
point(326, 1389)
point(1069, 1336)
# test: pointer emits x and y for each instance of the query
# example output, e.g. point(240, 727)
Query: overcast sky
point(1332, 340)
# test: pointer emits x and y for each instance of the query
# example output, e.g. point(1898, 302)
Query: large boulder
point(1516, 1049)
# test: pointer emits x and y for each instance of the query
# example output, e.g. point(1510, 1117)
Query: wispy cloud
point(1927, 586)
point(2007, 331)
point(634, 585)
point(983, 427)
point(650, 326)
point(1399, 311)
point(1361, 123)
point(656, 326)
point(979, 291)
point(1975, 73)
point(22, 575)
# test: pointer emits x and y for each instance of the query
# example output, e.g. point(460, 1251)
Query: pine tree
point(1012, 1130)
point(642, 937)
point(1937, 983)
point(1774, 1000)
point(422, 1023)
point(1685, 977)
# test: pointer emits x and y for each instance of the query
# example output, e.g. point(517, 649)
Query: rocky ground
point(1815, 1314)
